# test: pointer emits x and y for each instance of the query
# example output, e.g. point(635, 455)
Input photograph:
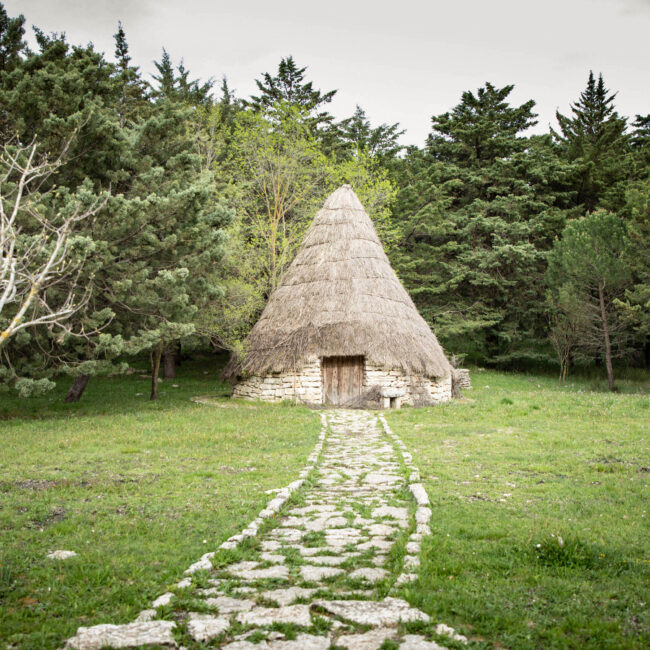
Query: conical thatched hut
point(341, 327)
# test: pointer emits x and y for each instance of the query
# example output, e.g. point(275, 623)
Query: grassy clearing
point(540, 524)
point(139, 490)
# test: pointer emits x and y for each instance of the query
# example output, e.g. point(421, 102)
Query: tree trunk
point(170, 357)
point(77, 389)
point(154, 372)
point(608, 346)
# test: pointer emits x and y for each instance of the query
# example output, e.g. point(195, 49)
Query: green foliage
point(636, 303)
point(587, 272)
point(502, 480)
point(12, 45)
point(594, 138)
point(357, 134)
point(175, 84)
point(288, 87)
point(479, 212)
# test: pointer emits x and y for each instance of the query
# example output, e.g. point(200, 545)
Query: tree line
point(145, 217)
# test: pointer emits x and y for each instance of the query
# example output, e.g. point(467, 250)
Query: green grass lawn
point(139, 490)
point(540, 524)
point(136, 487)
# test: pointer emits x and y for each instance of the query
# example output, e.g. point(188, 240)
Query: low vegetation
point(138, 489)
point(540, 523)
point(539, 495)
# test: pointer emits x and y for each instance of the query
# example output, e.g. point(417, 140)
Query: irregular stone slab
point(411, 561)
point(297, 614)
point(271, 545)
point(380, 544)
point(391, 511)
point(378, 479)
point(163, 600)
point(446, 630)
point(227, 605)
point(210, 591)
point(413, 548)
point(419, 493)
point(272, 557)
point(203, 627)
point(289, 534)
point(184, 583)
point(330, 560)
point(314, 508)
point(387, 612)
point(369, 574)
point(292, 522)
point(368, 641)
point(316, 573)
point(242, 566)
point(301, 642)
point(381, 530)
point(307, 550)
point(146, 615)
point(61, 555)
point(201, 565)
point(130, 635)
point(287, 596)
point(422, 515)
point(417, 642)
point(404, 578)
point(276, 571)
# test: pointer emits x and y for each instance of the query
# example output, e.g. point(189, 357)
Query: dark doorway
point(342, 379)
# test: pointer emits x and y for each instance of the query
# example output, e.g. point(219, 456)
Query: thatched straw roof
point(341, 297)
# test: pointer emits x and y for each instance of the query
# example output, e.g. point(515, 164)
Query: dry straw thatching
point(341, 297)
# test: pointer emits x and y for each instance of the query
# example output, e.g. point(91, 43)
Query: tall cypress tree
point(594, 137)
point(132, 88)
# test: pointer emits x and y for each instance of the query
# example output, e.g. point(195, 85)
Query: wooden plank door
point(342, 379)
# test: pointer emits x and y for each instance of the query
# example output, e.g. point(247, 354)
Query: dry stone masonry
point(304, 385)
point(315, 569)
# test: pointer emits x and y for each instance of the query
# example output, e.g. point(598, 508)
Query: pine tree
point(381, 142)
point(132, 87)
point(179, 87)
point(478, 215)
point(162, 231)
point(288, 87)
point(12, 44)
point(594, 137)
point(587, 272)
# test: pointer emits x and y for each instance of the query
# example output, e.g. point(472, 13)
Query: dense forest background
point(146, 218)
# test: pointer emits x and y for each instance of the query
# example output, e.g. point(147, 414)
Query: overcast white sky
point(401, 61)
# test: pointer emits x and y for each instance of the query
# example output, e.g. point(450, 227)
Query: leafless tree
point(41, 252)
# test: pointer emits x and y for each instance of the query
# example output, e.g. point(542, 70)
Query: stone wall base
point(304, 385)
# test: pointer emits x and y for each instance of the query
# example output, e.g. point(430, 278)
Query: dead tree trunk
point(608, 345)
point(154, 371)
point(77, 389)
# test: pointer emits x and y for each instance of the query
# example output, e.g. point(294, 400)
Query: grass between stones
point(540, 528)
point(134, 488)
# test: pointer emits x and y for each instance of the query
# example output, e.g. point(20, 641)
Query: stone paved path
point(319, 573)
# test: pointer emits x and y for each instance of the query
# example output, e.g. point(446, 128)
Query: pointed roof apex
point(343, 197)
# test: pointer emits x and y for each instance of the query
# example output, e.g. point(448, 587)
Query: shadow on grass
point(123, 394)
